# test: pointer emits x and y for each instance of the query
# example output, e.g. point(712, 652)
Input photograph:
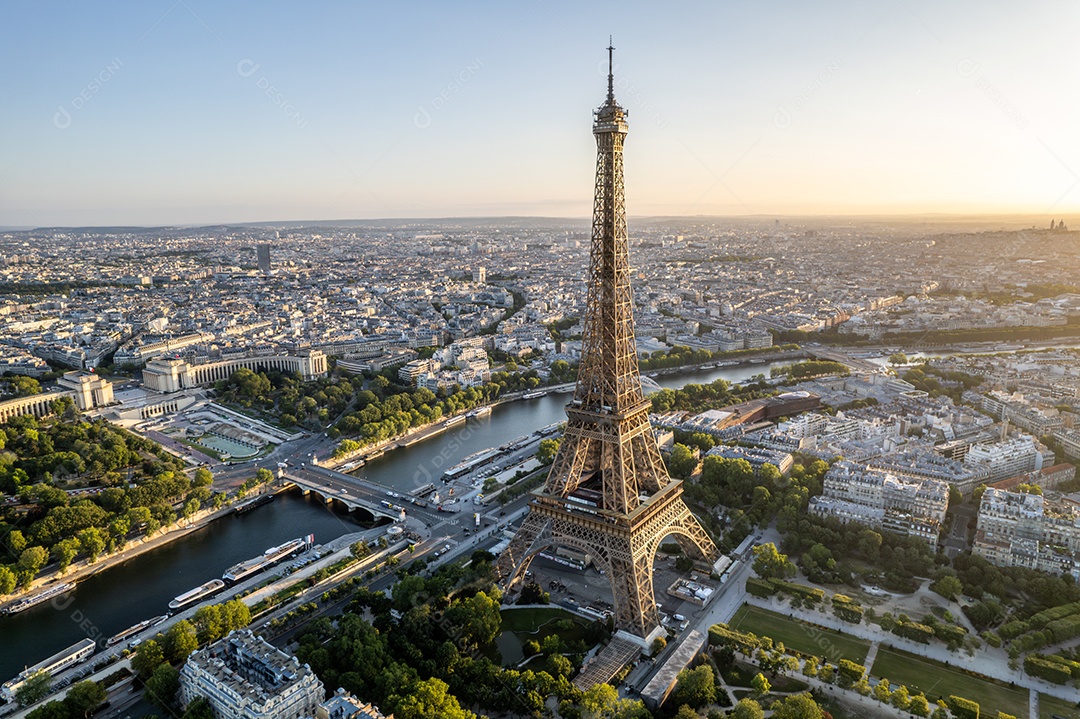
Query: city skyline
point(192, 114)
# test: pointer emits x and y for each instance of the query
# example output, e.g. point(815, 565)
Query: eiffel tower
point(608, 494)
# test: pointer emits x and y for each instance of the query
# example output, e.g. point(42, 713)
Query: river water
point(142, 587)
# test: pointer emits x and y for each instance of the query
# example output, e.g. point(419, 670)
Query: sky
point(197, 111)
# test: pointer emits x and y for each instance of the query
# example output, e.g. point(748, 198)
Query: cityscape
point(460, 444)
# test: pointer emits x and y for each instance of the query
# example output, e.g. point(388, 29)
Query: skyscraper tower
point(608, 494)
point(263, 251)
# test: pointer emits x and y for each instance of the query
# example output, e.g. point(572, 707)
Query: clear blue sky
point(192, 111)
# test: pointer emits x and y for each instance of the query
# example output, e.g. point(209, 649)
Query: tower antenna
point(610, 75)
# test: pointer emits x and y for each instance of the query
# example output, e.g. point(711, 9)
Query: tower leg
point(517, 555)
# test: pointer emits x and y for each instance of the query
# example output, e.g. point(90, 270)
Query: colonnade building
point(172, 375)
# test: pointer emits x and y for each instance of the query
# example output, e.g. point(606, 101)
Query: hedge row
point(1073, 667)
point(1043, 668)
point(745, 642)
point(914, 631)
point(847, 609)
point(814, 594)
point(962, 708)
point(759, 587)
point(949, 632)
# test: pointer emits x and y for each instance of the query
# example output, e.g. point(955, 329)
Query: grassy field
point(936, 679)
point(1050, 706)
point(799, 636)
point(531, 619)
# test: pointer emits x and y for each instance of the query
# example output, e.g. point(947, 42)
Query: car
point(446, 548)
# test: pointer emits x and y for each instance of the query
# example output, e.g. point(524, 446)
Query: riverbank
point(416, 435)
point(83, 568)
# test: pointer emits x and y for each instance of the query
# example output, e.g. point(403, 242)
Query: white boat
point(271, 556)
point(132, 631)
point(38, 598)
point(202, 592)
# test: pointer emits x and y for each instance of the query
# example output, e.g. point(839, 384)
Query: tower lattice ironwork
point(608, 494)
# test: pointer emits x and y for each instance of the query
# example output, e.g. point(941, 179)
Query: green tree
point(882, 691)
point(147, 658)
point(797, 706)
point(898, 358)
point(264, 475)
point(686, 712)
point(8, 580)
point(34, 689)
point(696, 687)
point(477, 618)
point(547, 450)
point(760, 685)
point(769, 563)
point(747, 709)
point(209, 623)
point(948, 586)
point(63, 552)
point(203, 478)
point(92, 542)
point(83, 698)
point(901, 698)
point(179, 641)
point(919, 706)
point(430, 698)
point(199, 708)
point(162, 686)
point(32, 560)
point(682, 462)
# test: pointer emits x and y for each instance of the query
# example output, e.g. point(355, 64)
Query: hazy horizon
point(190, 113)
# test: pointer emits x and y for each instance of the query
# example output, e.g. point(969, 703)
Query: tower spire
point(610, 73)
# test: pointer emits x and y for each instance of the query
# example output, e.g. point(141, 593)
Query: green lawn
point(531, 619)
point(798, 635)
point(936, 679)
point(1049, 706)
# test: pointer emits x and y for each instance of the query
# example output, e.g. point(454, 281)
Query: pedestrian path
point(871, 655)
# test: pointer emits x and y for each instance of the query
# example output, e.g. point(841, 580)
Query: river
point(111, 601)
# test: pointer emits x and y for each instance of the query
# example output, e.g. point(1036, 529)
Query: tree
point(948, 586)
point(882, 691)
point(85, 697)
point(209, 624)
point(179, 641)
point(696, 687)
point(199, 708)
point(359, 549)
point(162, 686)
point(901, 698)
point(898, 358)
point(203, 478)
point(747, 709)
point(547, 450)
point(760, 685)
point(32, 560)
point(430, 698)
point(682, 462)
point(477, 618)
point(264, 475)
point(769, 563)
point(34, 689)
point(147, 658)
point(797, 706)
point(685, 712)
point(8, 580)
point(92, 542)
point(63, 552)
point(919, 706)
